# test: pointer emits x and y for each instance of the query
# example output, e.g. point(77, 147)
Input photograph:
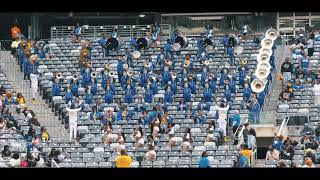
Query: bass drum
point(143, 43)
point(183, 41)
point(113, 44)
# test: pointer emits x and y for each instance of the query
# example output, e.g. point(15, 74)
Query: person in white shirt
point(151, 154)
point(222, 120)
point(297, 44)
point(73, 118)
point(316, 90)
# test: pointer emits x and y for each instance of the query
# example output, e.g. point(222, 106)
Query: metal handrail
point(54, 164)
point(283, 124)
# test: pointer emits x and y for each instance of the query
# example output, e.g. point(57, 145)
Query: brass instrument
point(89, 64)
point(33, 59)
point(125, 66)
point(244, 61)
point(106, 67)
point(262, 73)
point(59, 75)
point(93, 75)
point(266, 43)
point(263, 58)
point(272, 34)
point(206, 63)
point(169, 62)
point(111, 74)
point(257, 85)
point(75, 77)
point(130, 73)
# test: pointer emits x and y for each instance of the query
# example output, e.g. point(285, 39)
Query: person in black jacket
point(6, 152)
point(288, 153)
point(286, 70)
point(245, 132)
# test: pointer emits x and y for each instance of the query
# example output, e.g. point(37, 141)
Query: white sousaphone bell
point(257, 85)
point(264, 50)
point(262, 73)
point(264, 65)
point(272, 34)
point(267, 43)
point(176, 46)
point(263, 57)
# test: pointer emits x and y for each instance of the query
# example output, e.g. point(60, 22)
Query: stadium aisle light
point(148, 26)
point(142, 15)
point(69, 27)
point(101, 27)
point(134, 26)
point(124, 26)
point(54, 28)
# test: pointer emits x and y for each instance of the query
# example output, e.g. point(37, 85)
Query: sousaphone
point(266, 43)
point(264, 50)
point(272, 34)
point(263, 57)
point(238, 50)
point(257, 85)
point(262, 73)
point(180, 42)
point(136, 54)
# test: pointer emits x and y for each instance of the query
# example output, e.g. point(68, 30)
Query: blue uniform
point(223, 78)
point(230, 52)
point(144, 79)
point(74, 89)
point(133, 43)
point(154, 86)
point(186, 94)
point(261, 97)
point(227, 94)
point(166, 76)
point(56, 89)
point(168, 50)
point(204, 76)
point(123, 81)
point(255, 112)
point(108, 96)
point(88, 98)
point(26, 66)
point(34, 68)
point(105, 78)
point(8, 101)
point(148, 96)
point(128, 97)
point(174, 86)
point(199, 44)
point(139, 107)
point(246, 94)
point(68, 97)
point(114, 34)
point(168, 97)
point(102, 42)
point(212, 85)
point(86, 79)
point(77, 31)
point(298, 87)
point(94, 88)
point(242, 75)
point(207, 93)
point(160, 58)
point(98, 115)
point(304, 64)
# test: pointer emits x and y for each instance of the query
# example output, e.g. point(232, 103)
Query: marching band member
point(227, 92)
point(212, 84)
point(77, 32)
point(154, 85)
point(133, 42)
point(56, 87)
point(182, 106)
point(73, 118)
point(139, 105)
point(174, 36)
point(188, 62)
point(120, 69)
point(34, 75)
point(124, 79)
point(88, 96)
point(203, 56)
point(168, 95)
point(207, 93)
point(144, 76)
point(94, 86)
point(166, 76)
point(103, 43)
point(246, 92)
point(192, 84)
point(161, 57)
point(148, 96)
point(201, 43)
point(21, 47)
point(222, 120)
point(254, 108)
point(204, 75)
point(224, 41)
point(199, 118)
point(203, 105)
point(224, 76)
point(26, 63)
point(68, 96)
point(108, 96)
point(174, 84)
point(243, 70)
point(128, 57)
point(230, 52)
point(95, 114)
point(86, 77)
point(74, 87)
point(168, 49)
point(186, 93)
point(129, 93)
point(232, 83)
point(117, 107)
point(261, 97)
point(105, 78)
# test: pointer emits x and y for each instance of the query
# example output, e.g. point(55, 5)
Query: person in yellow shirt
point(44, 135)
point(20, 99)
point(123, 161)
point(247, 153)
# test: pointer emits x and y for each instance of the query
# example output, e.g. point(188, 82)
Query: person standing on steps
point(73, 118)
point(34, 75)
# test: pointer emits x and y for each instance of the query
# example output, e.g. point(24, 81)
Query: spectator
point(187, 140)
point(210, 130)
point(272, 154)
point(310, 45)
point(14, 161)
point(252, 139)
point(316, 90)
point(309, 154)
point(245, 132)
point(247, 153)
point(6, 152)
point(296, 45)
point(312, 144)
point(35, 140)
point(139, 139)
point(281, 164)
point(278, 142)
point(288, 153)
point(286, 70)
point(298, 87)
point(235, 125)
point(243, 161)
point(151, 154)
point(286, 95)
point(204, 161)
point(20, 99)
point(24, 162)
point(308, 163)
point(222, 120)
point(123, 161)
point(44, 135)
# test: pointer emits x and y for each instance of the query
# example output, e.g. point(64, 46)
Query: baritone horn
point(257, 85)
point(271, 33)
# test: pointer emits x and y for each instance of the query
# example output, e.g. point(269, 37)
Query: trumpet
point(130, 73)
point(174, 76)
point(244, 61)
point(125, 66)
point(93, 75)
point(75, 77)
point(59, 75)
point(111, 74)
point(169, 83)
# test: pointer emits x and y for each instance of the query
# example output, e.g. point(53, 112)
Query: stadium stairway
point(41, 109)
point(269, 112)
